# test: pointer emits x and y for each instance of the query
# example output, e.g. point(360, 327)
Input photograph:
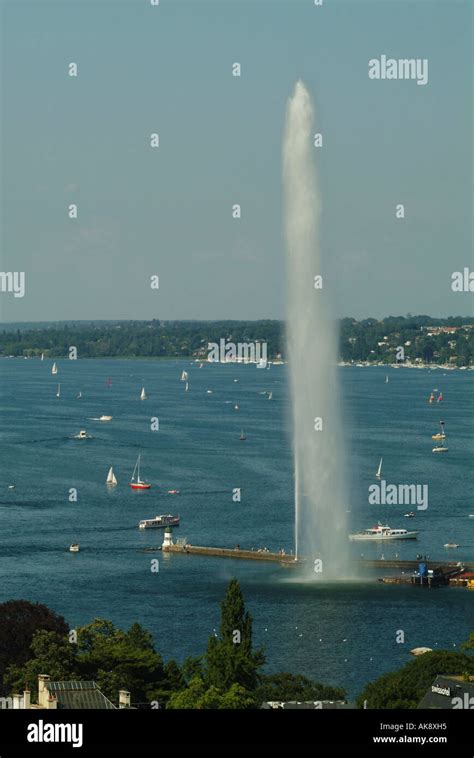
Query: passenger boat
point(135, 482)
point(381, 532)
point(159, 522)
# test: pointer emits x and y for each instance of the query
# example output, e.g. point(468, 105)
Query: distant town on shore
point(424, 340)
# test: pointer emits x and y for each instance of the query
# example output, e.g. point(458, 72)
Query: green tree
point(199, 696)
point(120, 660)
point(285, 686)
point(173, 681)
point(52, 654)
point(230, 658)
point(19, 621)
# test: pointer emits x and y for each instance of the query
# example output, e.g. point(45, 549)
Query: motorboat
point(383, 532)
point(159, 522)
point(410, 515)
point(105, 418)
point(82, 435)
point(74, 548)
point(451, 544)
point(173, 492)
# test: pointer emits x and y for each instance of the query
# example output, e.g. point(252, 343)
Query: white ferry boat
point(384, 532)
point(159, 522)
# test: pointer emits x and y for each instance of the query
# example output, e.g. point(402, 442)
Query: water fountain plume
point(321, 496)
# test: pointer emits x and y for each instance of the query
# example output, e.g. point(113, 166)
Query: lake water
point(344, 633)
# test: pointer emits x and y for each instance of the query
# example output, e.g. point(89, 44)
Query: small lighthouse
point(168, 539)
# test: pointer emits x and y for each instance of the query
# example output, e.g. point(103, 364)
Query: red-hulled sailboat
point(135, 482)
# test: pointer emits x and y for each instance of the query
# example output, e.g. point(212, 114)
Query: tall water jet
point(321, 497)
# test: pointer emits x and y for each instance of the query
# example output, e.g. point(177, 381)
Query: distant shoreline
point(193, 359)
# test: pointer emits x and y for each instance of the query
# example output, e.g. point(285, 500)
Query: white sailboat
point(184, 376)
point(186, 389)
point(79, 395)
point(386, 378)
point(143, 394)
point(42, 356)
point(58, 391)
point(270, 395)
point(379, 470)
point(111, 479)
point(54, 370)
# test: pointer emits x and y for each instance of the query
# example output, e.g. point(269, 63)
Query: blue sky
point(168, 69)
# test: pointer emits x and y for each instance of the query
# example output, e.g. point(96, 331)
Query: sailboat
point(111, 479)
point(79, 395)
point(443, 447)
point(439, 399)
point(270, 395)
point(54, 370)
point(242, 435)
point(378, 473)
point(58, 392)
point(441, 435)
point(431, 399)
point(186, 389)
point(184, 376)
point(386, 378)
point(143, 394)
point(42, 356)
point(135, 482)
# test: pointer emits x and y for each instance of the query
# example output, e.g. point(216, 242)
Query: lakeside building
point(70, 695)
point(449, 692)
